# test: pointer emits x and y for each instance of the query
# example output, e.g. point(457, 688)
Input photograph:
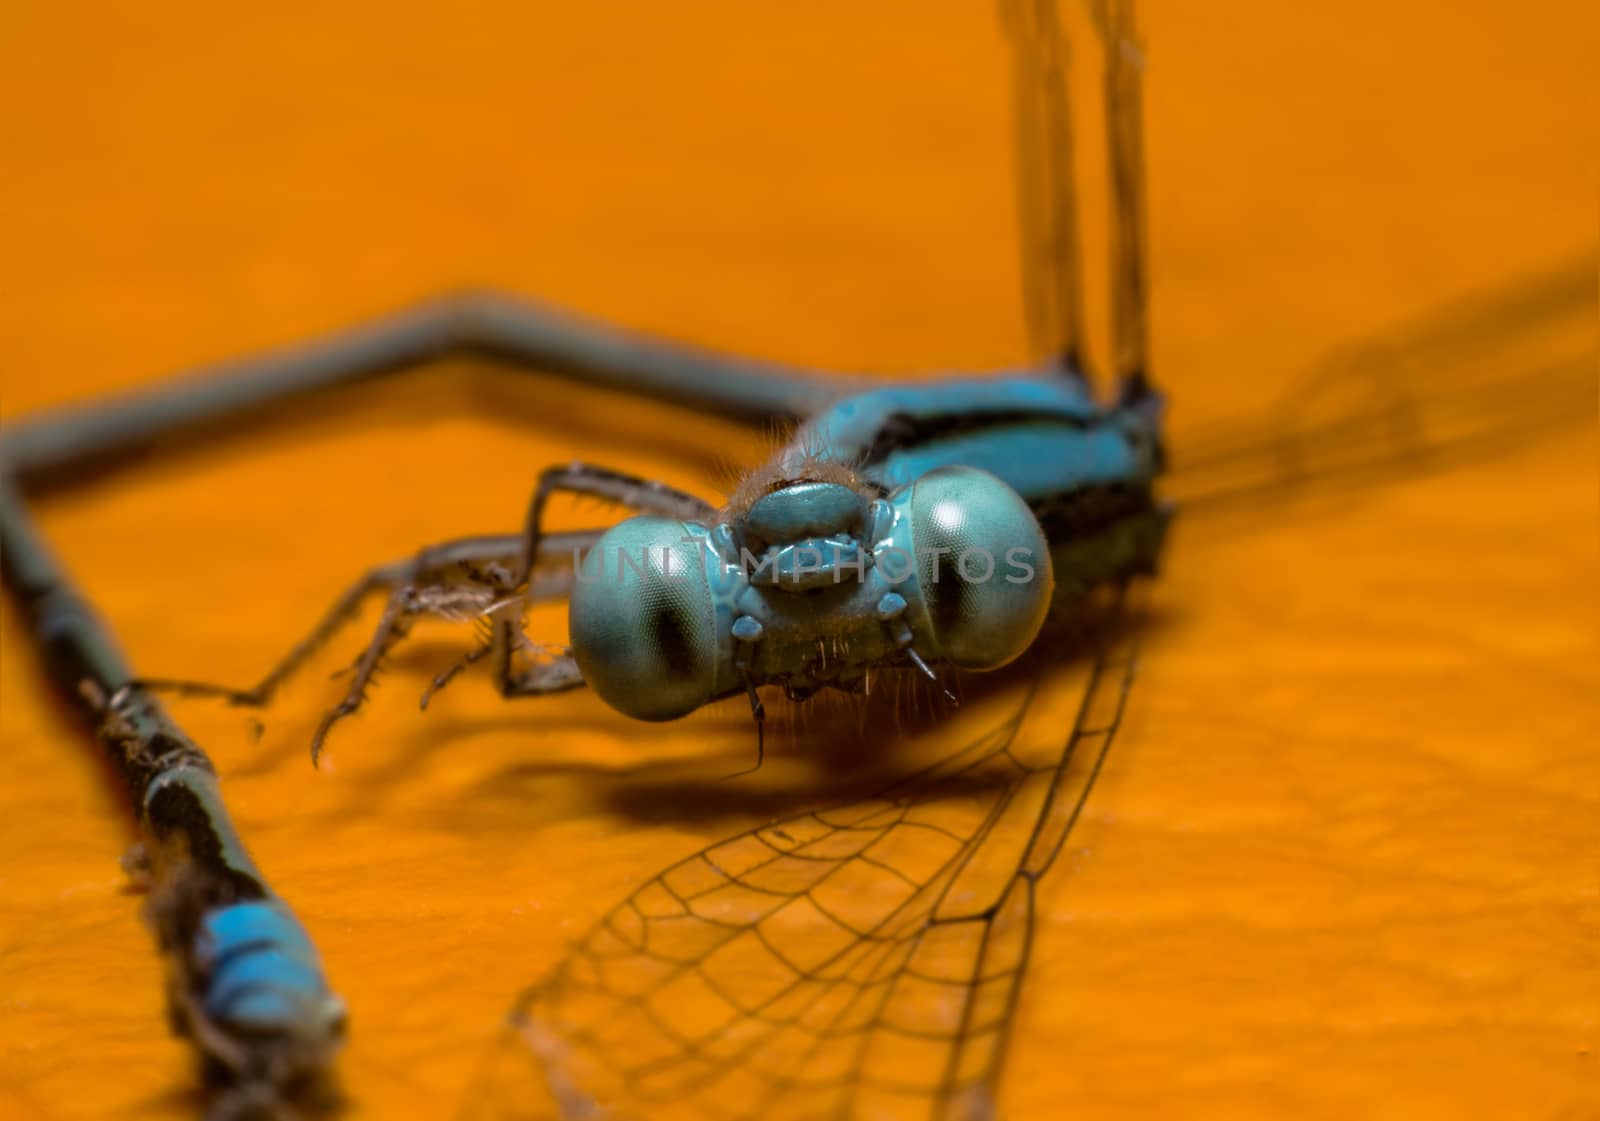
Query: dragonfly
point(226, 1002)
point(1030, 468)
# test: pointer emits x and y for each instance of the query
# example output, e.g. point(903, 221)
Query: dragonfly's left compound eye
point(983, 566)
point(642, 620)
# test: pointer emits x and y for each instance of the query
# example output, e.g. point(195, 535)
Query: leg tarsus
point(332, 717)
point(431, 582)
point(557, 675)
point(758, 710)
point(447, 675)
point(259, 695)
point(927, 671)
point(392, 629)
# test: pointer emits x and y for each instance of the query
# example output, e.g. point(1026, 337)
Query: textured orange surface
point(1342, 860)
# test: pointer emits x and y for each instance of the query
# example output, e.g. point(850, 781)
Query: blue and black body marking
point(920, 524)
point(1023, 454)
point(1086, 470)
point(244, 981)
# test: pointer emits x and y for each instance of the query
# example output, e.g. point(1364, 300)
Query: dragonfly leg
point(633, 491)
point(398, 616)
point(432, 566)
point(471, 578)
point(561, 673)
point(557, 675)
point(758, 713)
point(261, 693)
point(449, 673)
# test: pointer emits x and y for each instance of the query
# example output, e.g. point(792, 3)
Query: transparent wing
point(1047, 197)
point(858, 961)
point(866, 960)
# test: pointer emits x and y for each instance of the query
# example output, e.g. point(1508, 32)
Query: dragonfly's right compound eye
point(642, 620)
point(983, 566)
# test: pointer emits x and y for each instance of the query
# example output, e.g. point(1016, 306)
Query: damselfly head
point(810, 587)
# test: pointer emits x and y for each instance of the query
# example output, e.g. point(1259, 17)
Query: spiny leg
point(1046, 187)
point(448, 674)
point(1124, 98)
point(392, 628)
point(416, 585)
point(430, 565)
point(494, 595)
point(561, 673)
point(47, 447)
point(338, 616)
point(629, 490)
point(633, 491)
point(556, 675)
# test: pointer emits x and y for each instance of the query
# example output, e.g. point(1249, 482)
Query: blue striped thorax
point(914, 525)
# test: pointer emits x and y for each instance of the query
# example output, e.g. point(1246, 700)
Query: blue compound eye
point(983, 566)
point(642, 620)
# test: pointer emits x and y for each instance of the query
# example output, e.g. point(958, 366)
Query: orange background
point(1341, 861)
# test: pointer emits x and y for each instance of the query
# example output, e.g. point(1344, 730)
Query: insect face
point(667, 615)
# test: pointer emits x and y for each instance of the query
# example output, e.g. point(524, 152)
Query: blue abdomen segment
point(260, 974)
